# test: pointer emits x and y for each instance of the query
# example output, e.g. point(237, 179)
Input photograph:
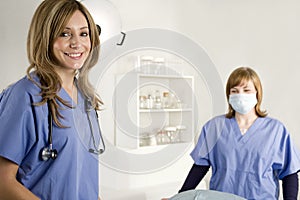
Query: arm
point(10, 188)
point(290, 187)
point(194, 177)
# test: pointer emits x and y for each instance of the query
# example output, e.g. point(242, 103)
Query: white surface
point(149, 193)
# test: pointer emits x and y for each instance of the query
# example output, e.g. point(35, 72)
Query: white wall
point(262, 34)
point(15, 17)
point(258, 33)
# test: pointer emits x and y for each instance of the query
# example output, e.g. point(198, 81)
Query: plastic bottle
point(157, 100)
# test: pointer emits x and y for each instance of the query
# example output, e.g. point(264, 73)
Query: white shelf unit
point(151, 121)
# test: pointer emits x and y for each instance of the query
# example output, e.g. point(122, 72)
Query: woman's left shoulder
point(271, 121)
point(275, 125)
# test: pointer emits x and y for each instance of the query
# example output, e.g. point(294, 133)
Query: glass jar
point(159, 66)
point(146, 64)
point(171, 133)
point(166, 100)
point(143, 102)
point(180, 131)
point(162, 138)
point(149, 102)
point(157, 104)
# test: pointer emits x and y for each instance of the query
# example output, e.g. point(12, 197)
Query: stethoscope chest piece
point(48, 153)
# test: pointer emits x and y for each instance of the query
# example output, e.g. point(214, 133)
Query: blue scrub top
point(247, 165)
point(24, 133)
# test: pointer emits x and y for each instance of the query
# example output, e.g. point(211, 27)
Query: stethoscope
point(49, 152)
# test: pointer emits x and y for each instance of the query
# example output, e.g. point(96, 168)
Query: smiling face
point(72, 47)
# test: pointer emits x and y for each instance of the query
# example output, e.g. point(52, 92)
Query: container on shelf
point(143, 102)
point(149, 102)
point(162, 137)
point(146, 64)
point(157, 104)
point(147, 139)
point(159, 66)
point(162, 101)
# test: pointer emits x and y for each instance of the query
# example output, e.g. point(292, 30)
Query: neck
point(67, 77)
point(68, 84)
point(245, 121)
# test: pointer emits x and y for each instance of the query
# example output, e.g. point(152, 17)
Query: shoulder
point(19, 95)
point(217, 120)
point(272, 122)
point(22, 88)
point(275, 127)
point(26, 85)
point(216, 124)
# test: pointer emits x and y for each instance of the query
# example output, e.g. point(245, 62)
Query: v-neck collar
point(243, 138)
point(64, 94)
point(80, 99)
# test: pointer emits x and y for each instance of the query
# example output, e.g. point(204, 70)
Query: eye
point(65, 34)
point(84, 34)
point(233, 91)
point(248, 90)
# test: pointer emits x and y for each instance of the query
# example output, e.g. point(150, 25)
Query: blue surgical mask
point(243, 103)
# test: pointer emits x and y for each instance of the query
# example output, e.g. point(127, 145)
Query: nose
point(75, 42)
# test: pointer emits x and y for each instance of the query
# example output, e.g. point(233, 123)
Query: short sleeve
point(208, 138)
point(17, 124)
point(287, 158)
point(200, 152)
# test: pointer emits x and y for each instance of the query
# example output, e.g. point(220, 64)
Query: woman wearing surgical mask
point(248, 152)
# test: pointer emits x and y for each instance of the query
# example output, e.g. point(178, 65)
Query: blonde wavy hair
point(238, 76)
point(48, 22)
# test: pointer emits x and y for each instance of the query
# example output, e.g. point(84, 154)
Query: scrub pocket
point(238, 182)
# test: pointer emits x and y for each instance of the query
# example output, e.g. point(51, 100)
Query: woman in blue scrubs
point(63, 45)
point(248, 152)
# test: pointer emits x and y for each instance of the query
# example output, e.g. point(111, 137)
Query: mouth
point(74, 55)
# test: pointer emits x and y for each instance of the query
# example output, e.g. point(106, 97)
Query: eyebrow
point(242, 86)
point(85, 27)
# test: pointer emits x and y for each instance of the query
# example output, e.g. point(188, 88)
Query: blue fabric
point(205, 195)
point(247, 165)
point(24, 132)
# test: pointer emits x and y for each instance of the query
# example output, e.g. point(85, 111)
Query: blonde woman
point(247, 151)
point(49, 131)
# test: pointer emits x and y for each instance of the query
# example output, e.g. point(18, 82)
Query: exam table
point(205, 195)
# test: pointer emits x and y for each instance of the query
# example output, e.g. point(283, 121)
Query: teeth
point(74, 55)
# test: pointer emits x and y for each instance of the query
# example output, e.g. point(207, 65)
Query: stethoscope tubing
point(49, 152)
